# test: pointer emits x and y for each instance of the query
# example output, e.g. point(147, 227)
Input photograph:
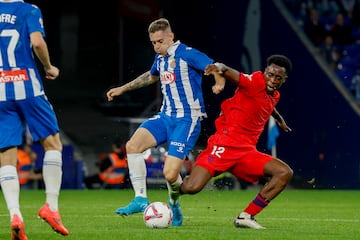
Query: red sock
point(257, 205)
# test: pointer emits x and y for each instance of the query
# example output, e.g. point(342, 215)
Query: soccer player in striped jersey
point(233, 146)
point(22, 99)
point(179, 69)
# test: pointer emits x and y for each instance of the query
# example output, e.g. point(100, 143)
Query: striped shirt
point(180, 75)
point(19, 76)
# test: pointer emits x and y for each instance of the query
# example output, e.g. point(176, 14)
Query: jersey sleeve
point(35, 21)
point(247, 80)
point(197, 59)
point(154, 68)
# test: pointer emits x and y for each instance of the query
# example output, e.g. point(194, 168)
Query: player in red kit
point(233, 146)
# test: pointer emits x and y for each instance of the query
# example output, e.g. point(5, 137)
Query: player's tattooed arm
point(143, 80)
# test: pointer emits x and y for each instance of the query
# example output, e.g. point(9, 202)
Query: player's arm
point(41, 51)
point(280, 120)
point(143, 80)
point(225, 71)
point(219, 85)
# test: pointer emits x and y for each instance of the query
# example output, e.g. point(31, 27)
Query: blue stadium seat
point(346, 74)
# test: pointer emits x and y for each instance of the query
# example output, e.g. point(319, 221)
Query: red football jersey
point(243, 116)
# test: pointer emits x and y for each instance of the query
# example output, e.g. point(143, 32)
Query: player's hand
point(113, 92)
point(210, 69)
point(52, 72)
point(215, 67)
point(284, 126)
point(216, 89)
point(219, 83)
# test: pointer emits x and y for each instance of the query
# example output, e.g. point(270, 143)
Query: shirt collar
point(172, 48)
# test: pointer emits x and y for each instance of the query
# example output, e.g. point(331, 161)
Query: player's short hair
point(160, 24)
point(281, 61)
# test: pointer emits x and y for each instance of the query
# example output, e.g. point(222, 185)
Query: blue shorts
point(180, 134)
point(36, 112)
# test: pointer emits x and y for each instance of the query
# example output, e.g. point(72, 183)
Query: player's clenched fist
point(113, 92)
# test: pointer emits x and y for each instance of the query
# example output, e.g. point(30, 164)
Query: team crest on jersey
point(167, 77)
point(172, 64)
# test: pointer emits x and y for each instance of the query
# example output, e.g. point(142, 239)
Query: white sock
point(174, 190)
point(137, 172)
point(52, 173)
point(11, 189)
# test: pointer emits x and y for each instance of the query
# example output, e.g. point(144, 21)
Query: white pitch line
point(285, 219)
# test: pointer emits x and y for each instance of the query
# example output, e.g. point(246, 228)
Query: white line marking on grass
point(279, 219)
point(314, 219)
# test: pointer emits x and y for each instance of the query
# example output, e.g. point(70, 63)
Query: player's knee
point(280, 170)
point(189, 186)
point(131, 147)
point(52, 142)
point(170, 176)
point(285, 174)
point(193, 189)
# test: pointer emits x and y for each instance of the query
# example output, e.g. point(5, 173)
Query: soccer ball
point(158, 215)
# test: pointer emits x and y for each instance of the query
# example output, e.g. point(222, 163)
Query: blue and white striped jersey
point(180, 75)
point(19, 76)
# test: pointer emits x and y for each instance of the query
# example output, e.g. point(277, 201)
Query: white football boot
point(245, 220)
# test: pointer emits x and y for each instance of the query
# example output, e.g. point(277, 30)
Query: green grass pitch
point(295, 214)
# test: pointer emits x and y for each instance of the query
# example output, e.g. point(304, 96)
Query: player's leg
point(171, 172)
point(11, 191)
point(183, 136)
point(173, 178)
point(279, 173)
point(52, 169)
point(52, 175)
point(196, 181)
point(11, 130)
point(148, 135)
point(203, 169)
point(43, 126)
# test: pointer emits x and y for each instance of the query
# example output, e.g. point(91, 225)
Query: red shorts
point(244, 162)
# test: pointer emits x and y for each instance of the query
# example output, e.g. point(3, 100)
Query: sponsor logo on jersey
point(13, 76)
point(167, 77)
point(180, 146)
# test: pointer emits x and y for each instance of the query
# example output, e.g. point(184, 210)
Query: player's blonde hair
point(161, 24)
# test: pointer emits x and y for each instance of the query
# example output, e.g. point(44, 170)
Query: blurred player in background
point(113, 170)
point(22, 98)
point(179, 69)
point(233, 146)
point(27, 172)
